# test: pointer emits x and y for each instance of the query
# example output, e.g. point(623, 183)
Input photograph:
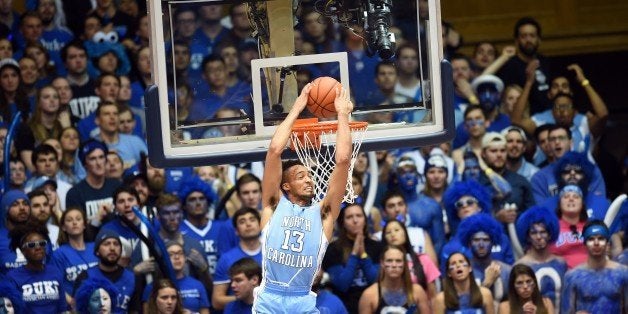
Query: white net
point(316, 150)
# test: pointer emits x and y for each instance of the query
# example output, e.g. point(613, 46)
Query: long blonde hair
point(40, 133)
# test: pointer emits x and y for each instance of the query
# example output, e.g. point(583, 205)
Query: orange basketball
point(322, 95)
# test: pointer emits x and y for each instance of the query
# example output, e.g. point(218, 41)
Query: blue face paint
point(99, 301)
point(408, 181)
point(481, 244)
point(6, 306)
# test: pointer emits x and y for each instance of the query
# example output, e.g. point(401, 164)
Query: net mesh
point(316, 150)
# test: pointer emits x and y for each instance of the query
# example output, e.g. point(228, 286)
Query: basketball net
point(315, 144)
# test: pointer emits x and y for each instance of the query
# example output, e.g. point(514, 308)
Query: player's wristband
point(585, 82)
point(364, 255)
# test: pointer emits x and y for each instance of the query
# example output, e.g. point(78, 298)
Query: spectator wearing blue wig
point(10, 297)
point(576, 169)
point(537, 228)
point(478, 233)
point(217, 237)
point(546, 183)
point(95, 295)
point(463, 200)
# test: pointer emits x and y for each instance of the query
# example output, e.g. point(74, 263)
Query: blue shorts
point(267, 302)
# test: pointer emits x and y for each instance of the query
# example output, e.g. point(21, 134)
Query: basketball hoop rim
point(318, 128)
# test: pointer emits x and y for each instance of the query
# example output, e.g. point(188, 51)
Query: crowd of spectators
point(508, 217)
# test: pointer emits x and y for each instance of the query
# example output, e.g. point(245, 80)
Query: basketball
point(322, 95)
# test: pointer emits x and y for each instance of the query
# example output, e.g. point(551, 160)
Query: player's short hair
point(166, 199)
point(286, 165)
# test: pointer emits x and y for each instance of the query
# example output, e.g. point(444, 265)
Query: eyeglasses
point(527, 284)
point(35, 244)
point(466, 202)
point(560, 138)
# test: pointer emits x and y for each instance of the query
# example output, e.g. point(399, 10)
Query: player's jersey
point(293, 246)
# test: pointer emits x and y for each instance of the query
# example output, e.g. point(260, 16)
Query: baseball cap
point(247, 44)
point(9, 62)
point(493, 138)
point(43, 180)
point(104, 235)
point(435, 160)
point(90, 146)
point(489, 79)
point(515, 129)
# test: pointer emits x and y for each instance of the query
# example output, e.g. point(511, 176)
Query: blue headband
point(596, 230)
point(571, 188)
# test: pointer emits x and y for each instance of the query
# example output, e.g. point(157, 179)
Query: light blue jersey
point(293, 246)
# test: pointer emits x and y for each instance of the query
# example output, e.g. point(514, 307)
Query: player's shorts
point(267, 302)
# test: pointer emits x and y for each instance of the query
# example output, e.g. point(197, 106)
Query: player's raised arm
point(337, 182)
point(272, 168)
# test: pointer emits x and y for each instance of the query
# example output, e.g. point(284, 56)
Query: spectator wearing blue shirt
point(216, 237)
point(516, 139)
point(41, 283)
point(489, 89)
point(130, 147)
point(544, 182)
point(74, 255)
point(462, 200)
point(246, 275)
point(247, 224)
point(54, 36)
point(194, 297)
point(108, 249)
point(15, 210)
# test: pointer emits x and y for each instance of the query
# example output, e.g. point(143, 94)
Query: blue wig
point(96, 50)
point(480, 222)
point(84, 293)
point(195, 184)
point(537, 215)
point(465, 188)
point(9, 291)
point(580, 160)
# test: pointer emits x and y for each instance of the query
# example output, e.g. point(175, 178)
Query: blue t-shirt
point(42, 291)
point(329, 303)
point(72, 262)
point(550, 276)
point(193, 294)
point(129, 147)
point(127, 236)
point(229, 258)
point(238, 307)
point(216, 239)
point(125, 285)
point(426, 213)
point(8, 258)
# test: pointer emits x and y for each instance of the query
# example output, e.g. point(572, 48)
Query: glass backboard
point(227, 72)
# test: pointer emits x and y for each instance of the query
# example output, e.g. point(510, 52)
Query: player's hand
point(197, 260)
point(531, 70)
point(578, 71)
point(343, 103)
point(301, 101)
point(529, 308)
point(145, 267)
point(491, 273)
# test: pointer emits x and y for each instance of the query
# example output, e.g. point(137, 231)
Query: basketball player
point(295, 231)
